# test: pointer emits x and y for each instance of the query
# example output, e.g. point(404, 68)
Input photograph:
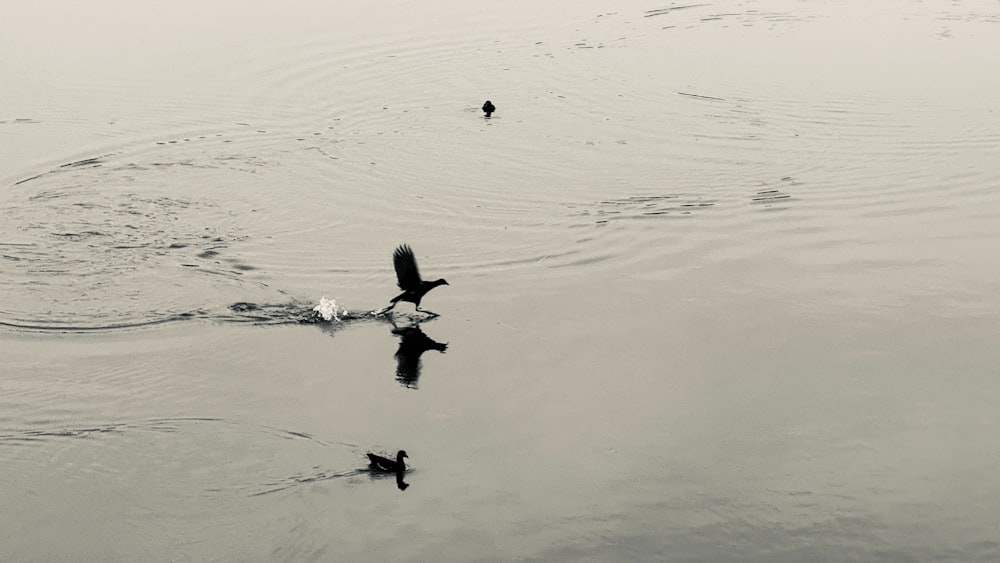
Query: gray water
point(724, 281)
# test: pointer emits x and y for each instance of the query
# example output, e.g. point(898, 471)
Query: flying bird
point(489, 108)
point(408, 277)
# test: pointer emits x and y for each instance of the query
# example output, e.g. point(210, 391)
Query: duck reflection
point(412, 344)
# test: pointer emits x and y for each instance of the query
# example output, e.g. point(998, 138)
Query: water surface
point(723, 281)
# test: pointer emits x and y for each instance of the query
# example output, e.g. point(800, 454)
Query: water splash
point(329, 311)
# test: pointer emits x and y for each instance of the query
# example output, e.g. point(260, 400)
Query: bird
point(386, 465)
point(408, 278)
point(489, 108)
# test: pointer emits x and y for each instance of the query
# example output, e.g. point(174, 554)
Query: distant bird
point(408, 277)
point(386, 465)
point(489, 108)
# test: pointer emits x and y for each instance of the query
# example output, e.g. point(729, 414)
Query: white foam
point(329, 310)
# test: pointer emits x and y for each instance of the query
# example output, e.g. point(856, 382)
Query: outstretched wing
point(407, 273)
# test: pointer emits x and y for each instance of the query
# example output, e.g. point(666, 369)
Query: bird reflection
point(400, 483)
point(412, 344)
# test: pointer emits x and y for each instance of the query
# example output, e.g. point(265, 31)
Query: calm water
point(724, 281)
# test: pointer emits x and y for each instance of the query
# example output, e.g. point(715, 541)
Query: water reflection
point(375, 475)
point(412, 344)
point(400, 483)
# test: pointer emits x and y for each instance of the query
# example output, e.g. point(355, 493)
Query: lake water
point(724, 281)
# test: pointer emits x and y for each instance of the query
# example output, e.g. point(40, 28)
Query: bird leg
point(384, 310)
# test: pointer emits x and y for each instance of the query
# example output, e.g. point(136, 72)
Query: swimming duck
point(386, 465)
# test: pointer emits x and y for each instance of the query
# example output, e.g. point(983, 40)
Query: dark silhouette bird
point(386, 465)
point(408, 278)
point(489, 108)
point(412, 344)
point(381, 464)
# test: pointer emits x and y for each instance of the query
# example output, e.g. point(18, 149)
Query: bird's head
point(401, 454)
point(441, 281)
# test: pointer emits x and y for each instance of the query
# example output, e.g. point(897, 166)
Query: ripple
point(645, 207)
point(311, 187)
point(99, 231)
point(192, 458)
